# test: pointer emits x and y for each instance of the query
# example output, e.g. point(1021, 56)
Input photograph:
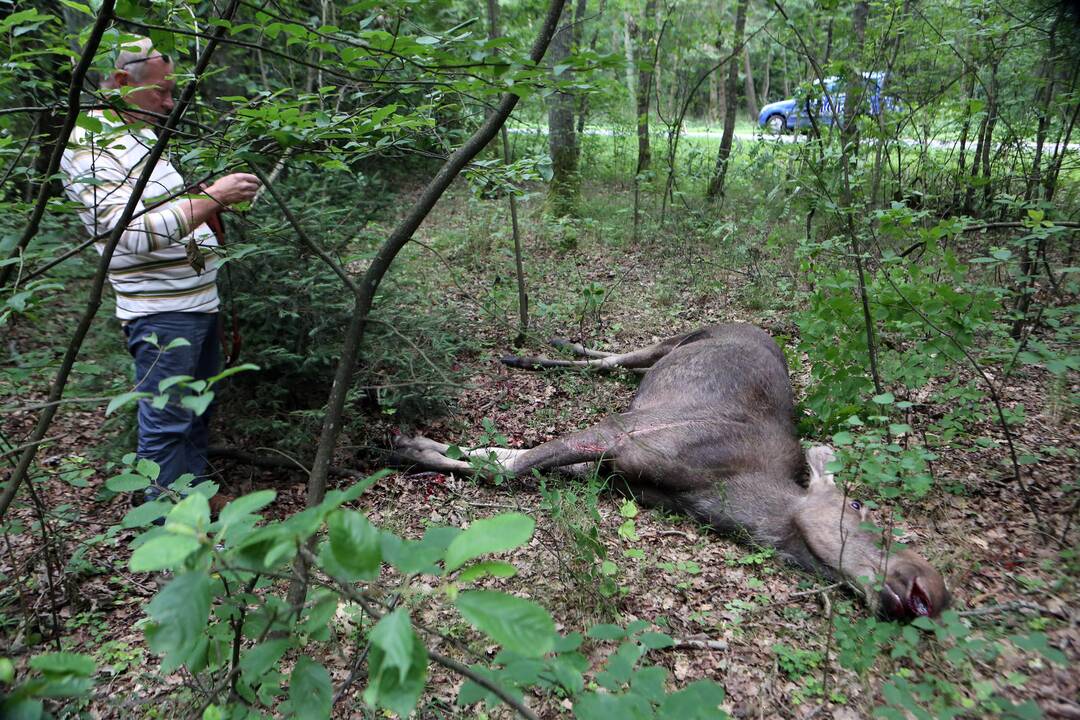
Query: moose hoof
point(405, 444)
point(514, 361)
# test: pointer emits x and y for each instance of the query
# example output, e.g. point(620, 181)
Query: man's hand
point(235, 188)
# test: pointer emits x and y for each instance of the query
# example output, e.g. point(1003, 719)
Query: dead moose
point(710, 433)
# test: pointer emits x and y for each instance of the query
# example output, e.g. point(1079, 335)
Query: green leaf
point(620, 665)
point(198, 403)
point(502, 532)
point(13, 708)
point(1038, 642)
point(246, 505)
point(394, 635)
point(178, 618)
point(176, 343)
point(354, 546)
point(472, 692)
point(427, 40)
point(568, 643)
point(254, 663)
point(362, 486)
point(89, 122)
point(64, 663)
point(123, 399)
point(700, 700)
point(84, 9)
point(191, 512)
point(410, 556)
point(127, 482)
point(166, 383)
point(146, 513)
point(655, 640)
point(495, 568)
point(517, 624)
point(229, 372)
point(884, 399)
point(387, 689)
point(310, 692)
point(606, 706)
point(604, 631)
point(649, 683)
point(147, 467)
point(162, 553)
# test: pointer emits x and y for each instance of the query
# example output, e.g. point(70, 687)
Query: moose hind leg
point(593, 444)
point(639, 360)
point(428, 454)
point(578, 349)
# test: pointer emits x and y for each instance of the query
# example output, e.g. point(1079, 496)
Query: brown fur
point(711, 433)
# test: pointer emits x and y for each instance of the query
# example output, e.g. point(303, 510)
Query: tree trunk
point(969, 192)
point(629, 31)
point(519, 263)
point(721, 82)
point(578, 32)
point(715, 81)
point(1062, 143)
point(828, 43)
point(1044, 98)
point(716, 184)
point(659, 76)
point(562, 139)
point(644, 55)
point(965, 129)
point(763, 96)
point(991, 122)
point(787, 79)
point(748, 83)
point(583, 100)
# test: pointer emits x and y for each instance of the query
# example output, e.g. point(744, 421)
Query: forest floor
point(598, 287)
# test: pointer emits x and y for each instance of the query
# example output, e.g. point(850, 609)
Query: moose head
point(898, 584)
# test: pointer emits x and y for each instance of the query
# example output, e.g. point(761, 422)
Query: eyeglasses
point(164, 58)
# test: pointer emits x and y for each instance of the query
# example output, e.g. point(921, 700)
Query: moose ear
point(817, 457)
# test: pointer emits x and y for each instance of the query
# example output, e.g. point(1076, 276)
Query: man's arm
point(103, 186)
point(229, 190)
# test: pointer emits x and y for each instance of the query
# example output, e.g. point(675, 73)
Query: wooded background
point(445, 181)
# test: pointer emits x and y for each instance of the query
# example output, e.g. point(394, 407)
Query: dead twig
point(1013, 606)
point(270, 462)
point(698, 644)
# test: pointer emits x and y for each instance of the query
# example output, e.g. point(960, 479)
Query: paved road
point(787, 138)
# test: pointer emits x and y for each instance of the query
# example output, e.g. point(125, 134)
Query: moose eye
point(856, 505)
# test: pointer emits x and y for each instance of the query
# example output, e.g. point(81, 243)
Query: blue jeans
point(174, 437)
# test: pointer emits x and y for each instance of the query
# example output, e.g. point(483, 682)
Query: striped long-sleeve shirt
point(150, 271)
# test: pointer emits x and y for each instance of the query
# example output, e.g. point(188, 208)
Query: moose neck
point(775, 512)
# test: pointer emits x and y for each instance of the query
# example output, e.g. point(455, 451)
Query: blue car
point(827, 108)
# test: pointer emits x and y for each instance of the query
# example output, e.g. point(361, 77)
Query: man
point(163, 271)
